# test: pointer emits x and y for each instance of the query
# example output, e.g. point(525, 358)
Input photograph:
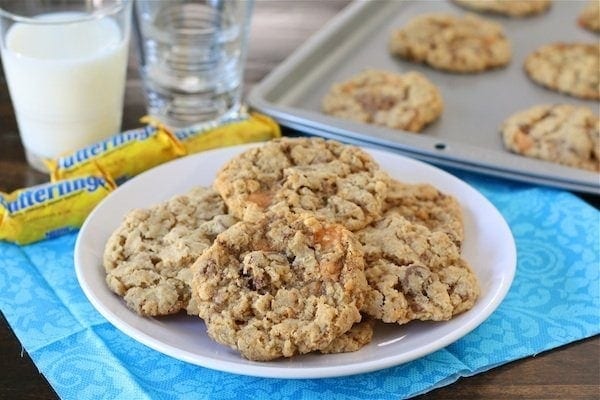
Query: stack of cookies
point(300, 246)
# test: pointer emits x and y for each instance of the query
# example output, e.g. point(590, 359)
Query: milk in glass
point(66, 81)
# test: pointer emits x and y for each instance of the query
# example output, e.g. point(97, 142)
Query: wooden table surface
point(278, 28)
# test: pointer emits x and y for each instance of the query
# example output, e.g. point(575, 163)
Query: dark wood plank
point(279, 27)
point(19, 377)
point(569, 372)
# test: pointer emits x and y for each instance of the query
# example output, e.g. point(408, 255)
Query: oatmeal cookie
point(562, 134)
point(571, 68)
point(426, 205)
point(590, 16)
point(357, 337)
point(273, 289)
point(511, 8)
point(324, 177)
point(147, 259)
point(451, 43)
point(399, 101)
point(413, 273)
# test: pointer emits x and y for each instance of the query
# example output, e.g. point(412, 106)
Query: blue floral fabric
point(554, 300)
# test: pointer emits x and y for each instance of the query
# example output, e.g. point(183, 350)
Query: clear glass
point(191, 55)
point(65, 64)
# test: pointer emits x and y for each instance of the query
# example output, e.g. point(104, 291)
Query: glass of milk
point(65, 65)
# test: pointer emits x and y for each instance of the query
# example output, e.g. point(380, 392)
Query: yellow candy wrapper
point(122, 156)
point(51, 209)
point(248, 128)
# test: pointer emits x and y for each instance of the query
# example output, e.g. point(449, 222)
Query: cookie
point(426, 205)
point(400, 101)
point(589, 18)
point(562, 134)
point(510, 8)
point(571, 68)
point(273, 289)
point(356, 338)
point(293, 176)
point(452, 43)
point(332, 191)
point(147, 259)
point(413, 273)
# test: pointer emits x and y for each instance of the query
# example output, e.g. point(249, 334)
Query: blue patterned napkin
point(554, 300)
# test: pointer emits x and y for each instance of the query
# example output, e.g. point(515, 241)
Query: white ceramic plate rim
point(487, 238)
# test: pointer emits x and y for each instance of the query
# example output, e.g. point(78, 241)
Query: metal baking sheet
point(467, 134)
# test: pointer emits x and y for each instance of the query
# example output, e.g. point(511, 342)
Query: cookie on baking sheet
point(414, 273)
point(147, 259)
point(400, 101)
point(562, 134)
point(511, 8)
point(340, 182)
point(589, 18)
point(273, 289)
point(571, 68)
point(452, 43)
point(357, 337)
point(426, 205)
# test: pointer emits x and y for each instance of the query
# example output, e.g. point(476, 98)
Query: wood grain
point(279, 27)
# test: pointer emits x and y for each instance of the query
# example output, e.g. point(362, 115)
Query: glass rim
point(96, 14)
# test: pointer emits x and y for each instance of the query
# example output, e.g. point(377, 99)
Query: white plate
point(488, 246)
